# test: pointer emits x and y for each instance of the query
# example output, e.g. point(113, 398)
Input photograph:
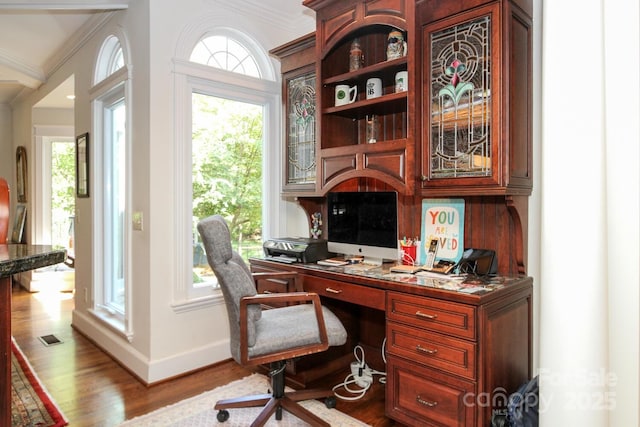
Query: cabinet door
point(477, 88)
point(300, 148)
point(461, 75)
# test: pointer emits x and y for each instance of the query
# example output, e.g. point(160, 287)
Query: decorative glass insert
point(227, 54)
point(461, 100)
point(301, 138)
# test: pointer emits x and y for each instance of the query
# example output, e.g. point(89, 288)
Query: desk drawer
point(428, 313)
point(343, 291)
point(432, 349)
point(421, 396)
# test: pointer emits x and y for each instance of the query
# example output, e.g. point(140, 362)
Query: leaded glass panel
point(461, 100)
point(301, 138)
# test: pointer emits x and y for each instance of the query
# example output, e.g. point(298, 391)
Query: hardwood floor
point(92, 389)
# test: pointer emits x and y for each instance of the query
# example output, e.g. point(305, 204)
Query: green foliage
point(63, 172)
point(227, 164)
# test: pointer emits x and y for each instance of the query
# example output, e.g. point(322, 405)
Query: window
point(111, 58)
point(226, 175)
point(55, 189)
point(114, 158)
point(110, 163)
point(227, 54)
point(226, 98)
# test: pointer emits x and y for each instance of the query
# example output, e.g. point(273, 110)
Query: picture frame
point(82, 165)
point(21, 174)
point(17, 233)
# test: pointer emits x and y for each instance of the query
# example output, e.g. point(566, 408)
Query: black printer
point(295, 249)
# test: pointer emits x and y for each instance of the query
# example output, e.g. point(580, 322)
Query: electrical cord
point(361, 375)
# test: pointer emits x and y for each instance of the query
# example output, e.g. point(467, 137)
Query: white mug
point(374, 88)
point(402, 81)
point(345, 94)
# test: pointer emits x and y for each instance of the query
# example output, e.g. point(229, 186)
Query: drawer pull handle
point(426, 350)
point(266, 292)
point(333, 291)
point(423, 402)
point(426, 316)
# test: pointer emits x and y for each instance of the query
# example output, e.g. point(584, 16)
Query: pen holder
point(409, 254)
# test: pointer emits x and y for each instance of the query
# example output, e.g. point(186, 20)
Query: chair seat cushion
point(283, 328)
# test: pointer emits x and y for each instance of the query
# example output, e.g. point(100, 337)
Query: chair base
point(278, 400)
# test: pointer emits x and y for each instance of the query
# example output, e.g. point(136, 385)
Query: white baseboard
point(147, 370)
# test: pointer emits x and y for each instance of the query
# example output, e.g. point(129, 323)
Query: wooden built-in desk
point(16, 259)
point(453, 352)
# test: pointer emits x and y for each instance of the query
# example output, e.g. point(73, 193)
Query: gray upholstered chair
point(273, 336)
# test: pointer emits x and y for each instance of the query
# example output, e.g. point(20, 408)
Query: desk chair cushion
point(293, 326)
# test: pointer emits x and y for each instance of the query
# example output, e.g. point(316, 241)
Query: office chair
point(268, 336)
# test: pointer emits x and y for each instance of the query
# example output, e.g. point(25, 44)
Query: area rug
point(198, 411)
point(31, 404)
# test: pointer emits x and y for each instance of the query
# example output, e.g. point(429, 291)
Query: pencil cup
point(408, 254)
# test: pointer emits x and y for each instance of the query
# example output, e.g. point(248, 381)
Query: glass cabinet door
point(460, 96)
point(301, 130)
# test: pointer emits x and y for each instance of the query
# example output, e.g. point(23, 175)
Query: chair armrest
point(295, 297)
point(281, 275)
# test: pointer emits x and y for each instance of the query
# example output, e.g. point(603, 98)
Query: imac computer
point(363, 224)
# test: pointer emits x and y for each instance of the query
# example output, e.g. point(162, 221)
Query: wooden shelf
point(374, 70)
point(385, 104)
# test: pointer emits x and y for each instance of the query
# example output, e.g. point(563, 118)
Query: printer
point(295, 249)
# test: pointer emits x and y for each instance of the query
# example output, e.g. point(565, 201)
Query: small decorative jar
point(356, 57)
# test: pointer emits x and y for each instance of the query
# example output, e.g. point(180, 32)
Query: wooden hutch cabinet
point(297, 65)
point(346, 147)
point(462, 129)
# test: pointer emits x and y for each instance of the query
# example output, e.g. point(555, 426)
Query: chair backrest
point(233, 275)
point(4, 211)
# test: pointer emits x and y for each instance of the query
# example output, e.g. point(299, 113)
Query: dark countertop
point(18, 258)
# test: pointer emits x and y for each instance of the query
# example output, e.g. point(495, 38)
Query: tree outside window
point(227, 139)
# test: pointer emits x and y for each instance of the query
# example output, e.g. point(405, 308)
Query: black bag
point(522, 407)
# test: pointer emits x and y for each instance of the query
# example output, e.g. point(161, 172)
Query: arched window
point(110, 183)
point(110, 59)
point(227, 99)
point(227, 54)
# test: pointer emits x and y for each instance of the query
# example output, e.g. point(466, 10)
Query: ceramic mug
point(402, 81)
point(345, 94)
point(374, 88)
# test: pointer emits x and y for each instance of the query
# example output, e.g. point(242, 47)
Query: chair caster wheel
point(330, 402)
point(223, 415)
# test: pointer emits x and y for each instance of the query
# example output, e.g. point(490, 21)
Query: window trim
point(105, 87)
point(190, 77)
point(121, 324)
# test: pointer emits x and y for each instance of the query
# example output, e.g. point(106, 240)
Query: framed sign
point(82, 165)
point(443, 220)
point(21, 170)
